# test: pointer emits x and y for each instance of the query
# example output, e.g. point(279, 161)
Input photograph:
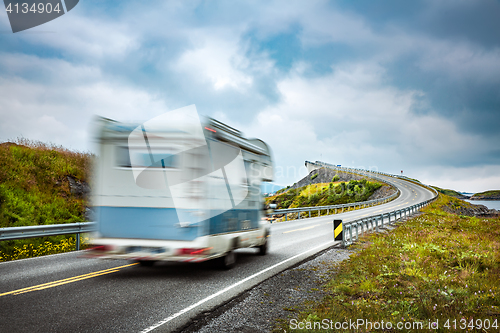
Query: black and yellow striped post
point(338, 233)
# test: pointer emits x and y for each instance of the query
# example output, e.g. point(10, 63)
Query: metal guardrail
point(48, 230)
point(371, 223)
point(332, 207)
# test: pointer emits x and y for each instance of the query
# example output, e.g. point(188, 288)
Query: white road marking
point(285, 232)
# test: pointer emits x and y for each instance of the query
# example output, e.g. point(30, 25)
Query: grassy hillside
point(35, 188)
point(34, 184)
point(323, 194)
point(488, 195)
point(436, 266)
point(451, 193)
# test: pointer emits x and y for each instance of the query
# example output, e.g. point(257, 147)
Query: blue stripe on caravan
point(142, 222)
point(161, 223)
point(232, 220)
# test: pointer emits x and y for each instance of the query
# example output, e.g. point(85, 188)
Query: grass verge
point(435, 268)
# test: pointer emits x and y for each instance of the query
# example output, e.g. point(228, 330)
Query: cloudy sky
point(388, 85)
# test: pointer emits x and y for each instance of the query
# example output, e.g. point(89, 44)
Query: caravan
point(178, 188)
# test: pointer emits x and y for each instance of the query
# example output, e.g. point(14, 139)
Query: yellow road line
point(285, 232)
point(65, 281)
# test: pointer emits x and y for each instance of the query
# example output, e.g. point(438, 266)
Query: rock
point(471, 210)
point(382, 192)
point(78, 188)
point(325, 176)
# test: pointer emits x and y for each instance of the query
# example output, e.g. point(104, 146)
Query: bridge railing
point(335, 208)
point(370, 172)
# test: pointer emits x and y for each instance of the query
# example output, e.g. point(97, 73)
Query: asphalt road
point(62, 293)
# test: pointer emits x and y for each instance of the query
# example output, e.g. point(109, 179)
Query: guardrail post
point(78, 241)
point(286, 217)
point(350, 233)
point(309, 213)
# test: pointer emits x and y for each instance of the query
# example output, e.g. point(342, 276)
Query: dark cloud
point(475, 21)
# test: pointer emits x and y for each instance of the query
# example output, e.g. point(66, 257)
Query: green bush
point(326, 194)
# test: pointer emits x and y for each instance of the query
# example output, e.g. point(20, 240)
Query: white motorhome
point(178, 188)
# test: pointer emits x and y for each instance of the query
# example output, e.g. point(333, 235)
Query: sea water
point(491, 204)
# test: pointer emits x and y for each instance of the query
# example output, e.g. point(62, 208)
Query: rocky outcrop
point(467, 209)
point(78, 188)
point(325, 176)
point(81, 190)
point(383, 192)
point(485, 197)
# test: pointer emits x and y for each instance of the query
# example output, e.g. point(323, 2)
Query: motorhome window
point(157, 158)
point(122, 157)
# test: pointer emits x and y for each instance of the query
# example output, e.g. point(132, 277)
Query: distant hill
point(451, 193)
point(487, 195)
